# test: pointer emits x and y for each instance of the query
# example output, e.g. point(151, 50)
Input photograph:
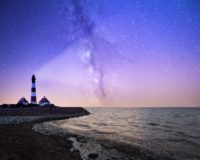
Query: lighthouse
point(33, 91)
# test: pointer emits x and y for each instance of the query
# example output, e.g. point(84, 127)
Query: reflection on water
point(157, 133)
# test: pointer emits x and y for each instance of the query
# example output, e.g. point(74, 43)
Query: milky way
point(81, 26)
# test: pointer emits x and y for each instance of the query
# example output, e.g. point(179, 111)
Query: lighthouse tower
point(33, 91)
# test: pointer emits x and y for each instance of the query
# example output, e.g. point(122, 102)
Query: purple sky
point(101, 53)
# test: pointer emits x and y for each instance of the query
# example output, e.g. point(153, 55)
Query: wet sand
point(20, 142)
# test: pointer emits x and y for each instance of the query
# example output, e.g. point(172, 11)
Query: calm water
point(148, 133)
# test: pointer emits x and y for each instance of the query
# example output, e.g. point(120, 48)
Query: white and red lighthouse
point(33, 91)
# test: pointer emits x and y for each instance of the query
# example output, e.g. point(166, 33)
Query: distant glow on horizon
point(132, 53)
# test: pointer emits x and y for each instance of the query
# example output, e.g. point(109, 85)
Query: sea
point(132, 133)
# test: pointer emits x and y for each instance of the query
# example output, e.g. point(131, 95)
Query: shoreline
point(21, 142)
point(18, 141)
point(11, 120)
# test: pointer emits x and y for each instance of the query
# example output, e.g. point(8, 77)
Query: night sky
point(123, 53)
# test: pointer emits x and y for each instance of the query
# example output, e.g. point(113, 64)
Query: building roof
point(23, 100)
point(44, 100)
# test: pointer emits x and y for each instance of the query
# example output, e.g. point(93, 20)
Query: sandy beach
point(20, 142)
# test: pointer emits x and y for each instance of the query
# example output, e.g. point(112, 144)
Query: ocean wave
point(149, 134)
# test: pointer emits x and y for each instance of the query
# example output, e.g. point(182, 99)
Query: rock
point(82, 140)
point(93, 155)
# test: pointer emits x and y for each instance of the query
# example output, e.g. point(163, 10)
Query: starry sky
point(121, 53)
